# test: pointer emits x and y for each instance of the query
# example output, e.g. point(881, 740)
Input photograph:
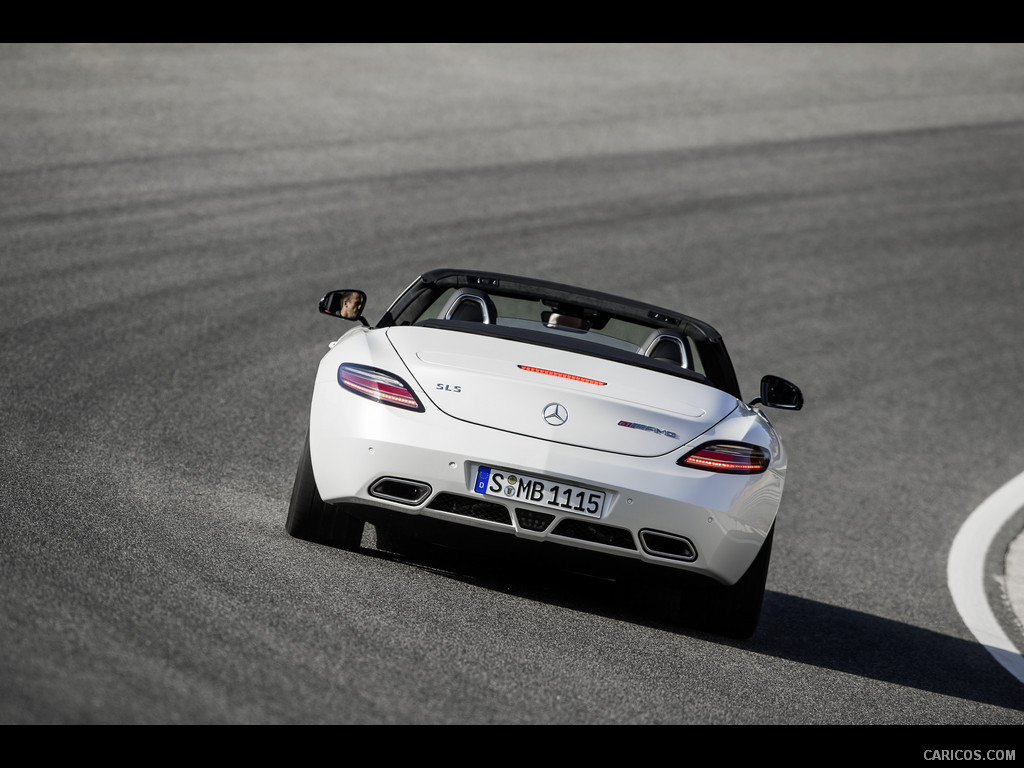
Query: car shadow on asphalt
point(859, 643)
point(795, 628)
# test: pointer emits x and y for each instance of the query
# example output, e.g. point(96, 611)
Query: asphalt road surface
point(849, 216)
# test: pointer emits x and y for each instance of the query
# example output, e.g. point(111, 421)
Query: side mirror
point(346, 303)
point(776, 392)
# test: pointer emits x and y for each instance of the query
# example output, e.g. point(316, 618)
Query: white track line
point(965, 572)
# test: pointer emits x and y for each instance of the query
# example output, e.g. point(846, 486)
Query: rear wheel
point(312, 519)
point(732, 611)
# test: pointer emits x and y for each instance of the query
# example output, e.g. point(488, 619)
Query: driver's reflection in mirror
point(351, 305)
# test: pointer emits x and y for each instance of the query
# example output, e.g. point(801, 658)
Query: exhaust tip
point(396, 489)
point(668, 545)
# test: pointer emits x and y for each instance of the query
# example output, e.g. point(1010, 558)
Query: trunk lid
point(558, 395)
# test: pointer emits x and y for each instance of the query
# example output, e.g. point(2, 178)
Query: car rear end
point(538, 444)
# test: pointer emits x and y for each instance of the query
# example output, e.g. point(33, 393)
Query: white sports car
point(485, 408)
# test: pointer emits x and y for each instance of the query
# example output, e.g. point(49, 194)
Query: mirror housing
point(346, 303)
point(776, 392)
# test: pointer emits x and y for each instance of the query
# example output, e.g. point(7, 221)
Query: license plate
point(552, 494)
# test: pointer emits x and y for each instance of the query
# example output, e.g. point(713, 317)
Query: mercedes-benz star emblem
point(555, 414)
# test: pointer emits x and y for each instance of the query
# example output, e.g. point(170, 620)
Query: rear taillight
point(377, 385)
point(730, 458)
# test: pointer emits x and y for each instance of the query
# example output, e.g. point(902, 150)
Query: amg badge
point(645, 428)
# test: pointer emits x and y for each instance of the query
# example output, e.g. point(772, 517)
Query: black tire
point(731, 611)
point(312, 519)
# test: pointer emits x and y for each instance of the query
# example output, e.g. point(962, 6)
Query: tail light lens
point(730, 458)
point(377, 385)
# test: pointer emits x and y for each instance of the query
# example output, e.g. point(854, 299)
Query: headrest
point(469, 305)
